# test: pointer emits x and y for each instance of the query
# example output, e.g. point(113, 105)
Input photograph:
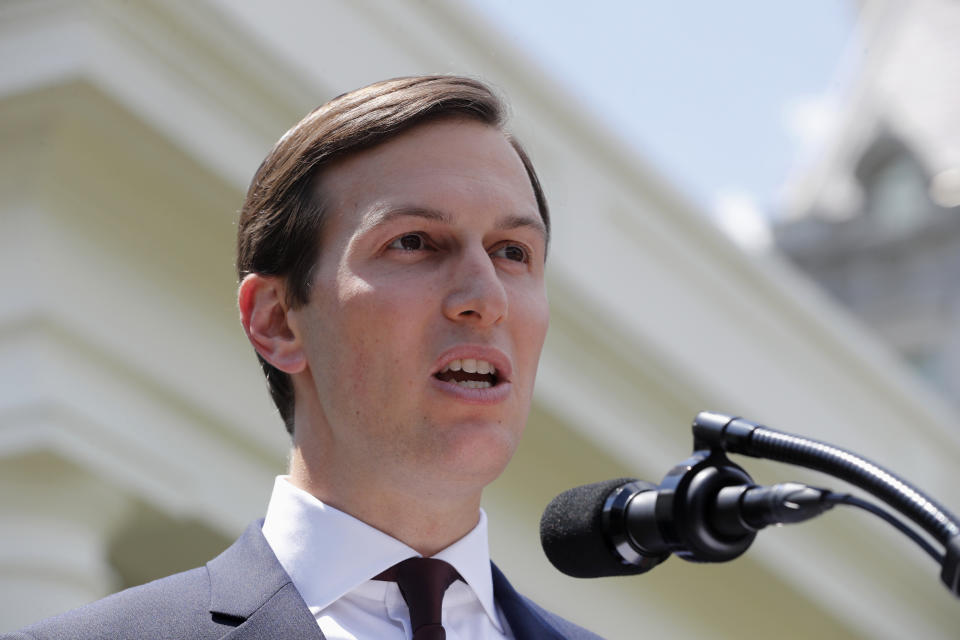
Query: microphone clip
point(687, 515)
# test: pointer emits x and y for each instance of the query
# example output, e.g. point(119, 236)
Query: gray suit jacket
point(244, 594)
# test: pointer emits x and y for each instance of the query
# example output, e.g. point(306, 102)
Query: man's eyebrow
point(519, 222)
point(382, 215)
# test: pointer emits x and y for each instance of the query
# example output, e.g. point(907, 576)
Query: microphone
point(708, 509)
point(627, 526)
point(575, 532)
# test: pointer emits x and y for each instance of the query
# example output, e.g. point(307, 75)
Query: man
point(391, 259)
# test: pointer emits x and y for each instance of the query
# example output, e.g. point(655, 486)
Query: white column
point(54, 536)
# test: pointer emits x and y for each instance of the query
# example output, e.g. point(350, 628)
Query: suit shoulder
point(567, 629)
point(172, 607)
point(528, 619)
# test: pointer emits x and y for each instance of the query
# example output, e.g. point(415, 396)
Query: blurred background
point(757, 211)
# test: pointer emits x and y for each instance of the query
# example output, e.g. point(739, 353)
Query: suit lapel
point(525, 622)
point(250, 588)
point(283, 617)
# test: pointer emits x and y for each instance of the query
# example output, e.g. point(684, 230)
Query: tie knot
point(422, 582)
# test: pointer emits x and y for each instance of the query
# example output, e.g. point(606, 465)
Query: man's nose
point(476, 292)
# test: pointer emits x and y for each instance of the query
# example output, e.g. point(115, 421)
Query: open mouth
point(469, 373)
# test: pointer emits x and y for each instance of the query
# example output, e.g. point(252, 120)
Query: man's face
point(431, 260)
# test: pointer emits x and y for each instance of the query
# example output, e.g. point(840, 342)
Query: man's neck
point(428, 522)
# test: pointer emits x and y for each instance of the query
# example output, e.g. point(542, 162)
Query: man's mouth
point(470, 373)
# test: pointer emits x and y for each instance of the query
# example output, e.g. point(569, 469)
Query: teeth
point(475, 384)
point(470, 365)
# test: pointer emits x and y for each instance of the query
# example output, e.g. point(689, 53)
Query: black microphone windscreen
point(572, 535)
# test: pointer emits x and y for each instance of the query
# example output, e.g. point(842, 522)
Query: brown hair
point(282, 216)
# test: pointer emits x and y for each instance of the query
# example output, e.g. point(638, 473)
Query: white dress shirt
point(331, 557)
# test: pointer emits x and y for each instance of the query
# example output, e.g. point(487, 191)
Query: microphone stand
point(688, 486)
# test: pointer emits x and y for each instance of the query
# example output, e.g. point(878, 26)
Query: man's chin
point(480, 453)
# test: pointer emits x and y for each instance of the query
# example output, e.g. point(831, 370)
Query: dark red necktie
point(422, 582)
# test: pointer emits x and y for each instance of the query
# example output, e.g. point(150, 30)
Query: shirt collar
point(470, 556)
point(328, 553)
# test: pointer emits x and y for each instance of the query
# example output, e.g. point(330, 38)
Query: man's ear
point(263, 314)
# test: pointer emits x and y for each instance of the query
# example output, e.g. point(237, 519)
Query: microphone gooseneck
point(736, 435)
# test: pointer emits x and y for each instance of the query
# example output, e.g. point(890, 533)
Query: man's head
point(286, 209)
point(405, 301)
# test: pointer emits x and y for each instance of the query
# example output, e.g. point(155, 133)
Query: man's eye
point(512, 252)
point(409, 242)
